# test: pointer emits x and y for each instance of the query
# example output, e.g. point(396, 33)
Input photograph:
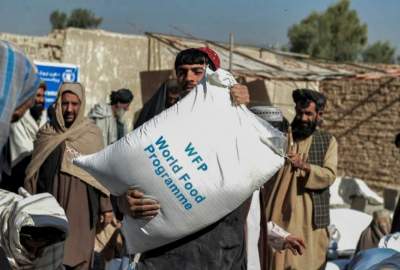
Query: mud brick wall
point(44, 48)
point(364, 116)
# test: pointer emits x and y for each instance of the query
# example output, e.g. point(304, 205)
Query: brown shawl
point(82, 137)
point(379, 227)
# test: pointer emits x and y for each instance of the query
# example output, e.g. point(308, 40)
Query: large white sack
point(350, 224)
point(336, 195)
point(346, 187)
point(200, 159)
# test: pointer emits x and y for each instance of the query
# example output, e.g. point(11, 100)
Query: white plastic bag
point(349, 231)
point(390, 241)
point(201, 159)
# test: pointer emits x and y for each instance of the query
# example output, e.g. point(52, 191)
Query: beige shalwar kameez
point(290, 206)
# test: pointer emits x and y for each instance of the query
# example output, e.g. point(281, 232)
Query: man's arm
point(280, 239)
point(323, 177)
point(317, 177)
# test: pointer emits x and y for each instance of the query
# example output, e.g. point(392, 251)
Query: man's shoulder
point(324, 135)
point(100, 110)
point(92, 126)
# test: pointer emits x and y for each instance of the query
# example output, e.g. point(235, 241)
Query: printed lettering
point(174, 189)
point(150, 149)
point(190, 150)
point(184, 177)
point(188, 186)
point(200, 198)
point(203, 167)
point(162, 143)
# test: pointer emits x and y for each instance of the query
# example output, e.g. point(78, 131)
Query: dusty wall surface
point(46, 48)
point(364, 116)
point(109, 61)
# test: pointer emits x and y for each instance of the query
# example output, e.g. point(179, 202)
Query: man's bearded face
point(305, 121)
point(120, 110)
point(37, 108)
point(70, 105)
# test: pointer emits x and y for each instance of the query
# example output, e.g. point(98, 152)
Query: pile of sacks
point(345, 188)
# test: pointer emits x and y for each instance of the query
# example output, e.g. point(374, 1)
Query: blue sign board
point(54, 74)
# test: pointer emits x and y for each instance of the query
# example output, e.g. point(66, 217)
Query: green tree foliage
point(58, 20)
point(336, 34)
point(83, 18)
point(79, 18)
point(379, 52)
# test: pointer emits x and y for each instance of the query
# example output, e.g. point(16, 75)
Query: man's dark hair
point(43, 85)
point(303, 97)
point(191, 57)
point(121, 96)
point(397, 140)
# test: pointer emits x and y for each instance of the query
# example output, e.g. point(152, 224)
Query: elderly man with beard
point(84, 200)
point(298, 196)
point(20, 142)
point(110, 117)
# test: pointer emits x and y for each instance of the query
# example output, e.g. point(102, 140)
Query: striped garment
point(41, 210)
point(18, 83)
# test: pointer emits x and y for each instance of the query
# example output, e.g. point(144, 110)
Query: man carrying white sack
point(220, 245)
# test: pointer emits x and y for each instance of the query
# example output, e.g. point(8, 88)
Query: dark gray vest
point(316, 155)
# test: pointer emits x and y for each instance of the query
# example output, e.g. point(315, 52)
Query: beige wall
point(107, 62)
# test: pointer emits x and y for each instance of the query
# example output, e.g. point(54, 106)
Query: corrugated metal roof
point(287, 68)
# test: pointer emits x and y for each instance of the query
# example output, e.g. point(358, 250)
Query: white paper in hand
point(200, 159)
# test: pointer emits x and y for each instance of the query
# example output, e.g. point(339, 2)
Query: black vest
point(316, 155)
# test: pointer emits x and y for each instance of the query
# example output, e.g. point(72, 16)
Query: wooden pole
point(230, 51)
point(148, 53)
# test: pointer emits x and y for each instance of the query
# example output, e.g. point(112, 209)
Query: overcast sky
point(258, 22)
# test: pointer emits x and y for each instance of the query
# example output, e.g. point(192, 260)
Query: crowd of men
point(39, 145)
